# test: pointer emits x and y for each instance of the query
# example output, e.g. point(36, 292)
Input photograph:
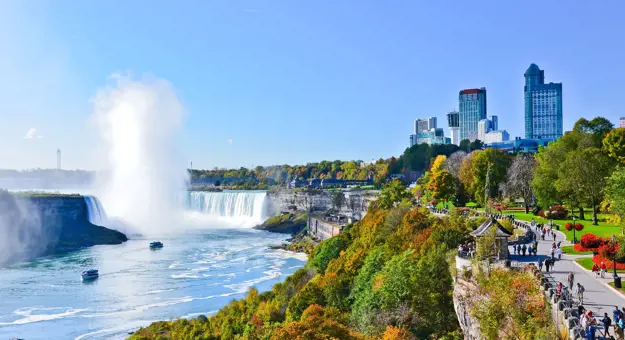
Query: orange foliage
point(394, 333)
point(316, 323)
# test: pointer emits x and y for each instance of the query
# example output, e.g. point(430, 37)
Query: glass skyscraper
point(472, 110)
point(543, 106)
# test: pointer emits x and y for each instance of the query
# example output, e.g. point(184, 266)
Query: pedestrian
point(552, 263)
point(547, 265)
point(571, 278)
point(554, 237)
point(514, 249)
point(606, 325)
point(580, 293)
point(542, 235)
point(616, 314)
point(559, 252)
point(553, 251)
point(540, 264)
point(530, 250)
point(590, 332)
point(596, 270)
point(603, 269)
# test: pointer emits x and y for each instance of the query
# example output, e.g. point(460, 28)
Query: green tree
point(614, 144)
point(497, 161)
point(465, 145)
point(615, 191)
point(584, 174)
point(597, 128)
point(394, 192)
point(476, 145)
point(443, 186)
point(326, 251)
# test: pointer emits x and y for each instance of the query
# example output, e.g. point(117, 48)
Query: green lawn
point(569, 250)
point(622, 289)
point(604, 229)
point(587, 263)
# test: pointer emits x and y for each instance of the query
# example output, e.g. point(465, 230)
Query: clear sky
point(282, 81)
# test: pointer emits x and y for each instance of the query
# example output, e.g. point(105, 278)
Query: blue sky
point(296, 81)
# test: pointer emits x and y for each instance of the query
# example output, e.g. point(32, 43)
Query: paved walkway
point(597, 297)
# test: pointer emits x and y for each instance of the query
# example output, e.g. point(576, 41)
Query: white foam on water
point(28, 317)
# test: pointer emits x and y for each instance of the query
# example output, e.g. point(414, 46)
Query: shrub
point(568, 226)
point(590, 241)
point(559, 212)
point(326, 251)
point(579, 227)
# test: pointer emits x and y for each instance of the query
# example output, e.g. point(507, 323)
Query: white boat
point(90, 275)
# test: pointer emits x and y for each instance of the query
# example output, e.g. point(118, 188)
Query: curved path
point(598, 297)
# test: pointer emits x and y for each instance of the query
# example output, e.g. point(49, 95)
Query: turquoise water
point(195, 273)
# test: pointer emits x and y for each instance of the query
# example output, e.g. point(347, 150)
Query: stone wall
point(322, 230)
point(354, 205)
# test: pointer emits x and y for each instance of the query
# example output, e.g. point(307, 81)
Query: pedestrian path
point(597, 297)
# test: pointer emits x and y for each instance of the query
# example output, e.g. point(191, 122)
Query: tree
point(443, 186)
point(393, 193)
point(495, 160)
point(614, 144)
point(465, 172)
point(583, 174)
point(597, 128)
point(477, 145)
point(615, 191)
point(520, 176)
point(453, 162)
point(465, 145)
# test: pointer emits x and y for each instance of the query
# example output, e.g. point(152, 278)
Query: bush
point(579, 227)
point(568, 226)
point(326, 251)
point(558, 212)
point(590, 241)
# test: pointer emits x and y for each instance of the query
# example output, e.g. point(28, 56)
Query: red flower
point(579, 227)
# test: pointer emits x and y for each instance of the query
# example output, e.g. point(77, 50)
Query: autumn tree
point(614, 144)
point(584, 173)
point(520, 176)
point(393, 193)
point(443, 186)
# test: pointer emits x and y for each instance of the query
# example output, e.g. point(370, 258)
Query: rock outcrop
point(353, 203)
point(463, 295)
point(33, 225)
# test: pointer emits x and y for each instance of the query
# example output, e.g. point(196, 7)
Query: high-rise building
point(425, 124)
point(483, 127)
point(453, 119)
point(543, 106)
point(621, 122)
point(472, 110)
point(494, 122)
point(432, 136)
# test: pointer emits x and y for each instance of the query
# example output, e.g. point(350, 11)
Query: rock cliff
point(463, 296)
point(41, 224)
point(352, 204)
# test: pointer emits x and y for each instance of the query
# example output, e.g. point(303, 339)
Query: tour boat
point(90, 275)
point(156, 245)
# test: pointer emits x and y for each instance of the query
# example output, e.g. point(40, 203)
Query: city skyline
point(257, 85)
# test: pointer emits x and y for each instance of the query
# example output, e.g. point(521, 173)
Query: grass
point(571, 251)
point(587, 263)
point(622, 289)
point(604, 229)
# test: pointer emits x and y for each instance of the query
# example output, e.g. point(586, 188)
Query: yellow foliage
point(438, 164)
point(395, 333)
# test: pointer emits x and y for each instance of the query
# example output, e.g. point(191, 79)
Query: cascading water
point(230, 207)
point(95, 211)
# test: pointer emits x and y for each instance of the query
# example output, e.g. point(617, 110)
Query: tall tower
point(472, 110)
point(58, 159)
point(453, 119)
point(543, 106)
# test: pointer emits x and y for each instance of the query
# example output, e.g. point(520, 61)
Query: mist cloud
point(32, 134)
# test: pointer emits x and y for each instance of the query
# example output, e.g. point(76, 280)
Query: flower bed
point(579, 248)
point(598, 259)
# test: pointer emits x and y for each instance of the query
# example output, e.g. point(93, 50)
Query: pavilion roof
point(488, 225)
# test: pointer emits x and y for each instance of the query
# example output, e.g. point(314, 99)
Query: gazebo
point(501, 236)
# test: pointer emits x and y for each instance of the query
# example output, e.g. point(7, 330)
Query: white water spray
point(138, 123)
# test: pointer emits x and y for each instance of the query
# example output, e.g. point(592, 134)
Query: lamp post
point(617, 279)
point(574, 239)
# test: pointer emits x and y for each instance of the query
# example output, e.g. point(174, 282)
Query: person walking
point(547, 265)
point(603, 269)
point(514, 249)
point(524, 249)
point(596, 270)
point(559, 253)
point(580, 293)
point(540, 264)
point(570, 279)
point(607, 322)
point(554, 236)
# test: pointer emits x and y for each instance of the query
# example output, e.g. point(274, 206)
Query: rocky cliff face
point(354, 204)
point(463, 301)
point(35, 225)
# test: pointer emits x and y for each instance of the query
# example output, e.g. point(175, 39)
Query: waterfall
point(232, 207)
point(95, 210)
